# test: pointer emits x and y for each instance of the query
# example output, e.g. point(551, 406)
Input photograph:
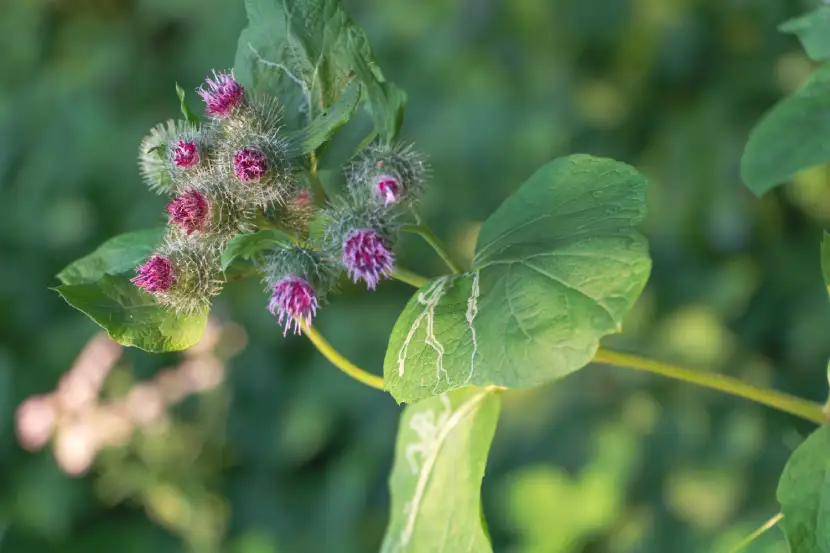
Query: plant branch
point(781, 401)
point(426, 233)
point(408, 277)
point(757, 533)
point(339, 361)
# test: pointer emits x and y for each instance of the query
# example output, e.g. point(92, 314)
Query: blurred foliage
point(300, 456)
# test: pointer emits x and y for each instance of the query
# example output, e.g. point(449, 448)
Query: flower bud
point(181, 275)
point(367, 257)
point(253, 154)
point(395, 174)
point(156, 275)
point(190, 211)
point(294, 300)
point(222, 94)
point(171, 153)
point(361, 233)
point(186, 154)
point(249, 164)
point(299, 280)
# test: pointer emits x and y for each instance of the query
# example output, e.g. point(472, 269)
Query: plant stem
point(426, 233)
point(318, 193)
point(752, 537)
point(339, 361)
point(408, 277)
point(781, 401)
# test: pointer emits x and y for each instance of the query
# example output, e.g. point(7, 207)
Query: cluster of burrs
point(239, 168)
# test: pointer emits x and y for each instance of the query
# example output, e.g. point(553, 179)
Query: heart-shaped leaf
point(557, 267)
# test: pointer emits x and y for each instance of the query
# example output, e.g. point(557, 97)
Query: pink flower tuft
point(367, 257)
point(388, 188)
point(222, 94)
point(157, 274)
point(249, 164)
point(186, 154)
point(293, 300)
point(190, 211)
point(303, 198)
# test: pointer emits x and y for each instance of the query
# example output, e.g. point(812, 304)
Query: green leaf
point(440, 457)
point(117, 255)
point(804, 494)
point(132, 317)
point(249, 246)
point(331, 119)
point(790, 137)
point(558, 266)
point(813, 30)
point(188, 115)
point(306, 52)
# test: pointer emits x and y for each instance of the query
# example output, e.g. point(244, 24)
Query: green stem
point(781, 401)
point(408, 277)
point(752, 537)
point(426, 233)
point(339, 361)
point(318, 193)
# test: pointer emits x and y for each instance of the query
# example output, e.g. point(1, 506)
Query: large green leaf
point(330, 120)
point(804, 494)
point(306, 52)
point(117, 255)
point(440, 457)
point(557, 267)
point(250, 246)
point(792, 136)
point(813, 30)
point(132, 317)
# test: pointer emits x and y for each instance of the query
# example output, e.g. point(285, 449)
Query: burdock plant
point(556, 267)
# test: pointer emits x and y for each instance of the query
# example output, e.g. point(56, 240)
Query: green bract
point(557, 267)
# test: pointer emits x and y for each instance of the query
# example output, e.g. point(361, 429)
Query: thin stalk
point(426, 233)
point(337, 359)
point(781, 401)
point(757, 533)
point(408, 277)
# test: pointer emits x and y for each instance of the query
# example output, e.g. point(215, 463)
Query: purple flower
point(186, 154)
point(294, 300)
point(388, 188)
point(190, 211)
point(156, 275)
point(367, 257)
point(249, 164)
point(222, 94)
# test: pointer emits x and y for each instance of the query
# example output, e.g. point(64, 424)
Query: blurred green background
point(276, 451)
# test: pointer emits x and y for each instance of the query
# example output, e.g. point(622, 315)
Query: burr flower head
point(293, 300)
point(367, 257)
point(190, 211)
point(156, 275)
point(221, 94)
point(186, 154)
point(250, 164)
